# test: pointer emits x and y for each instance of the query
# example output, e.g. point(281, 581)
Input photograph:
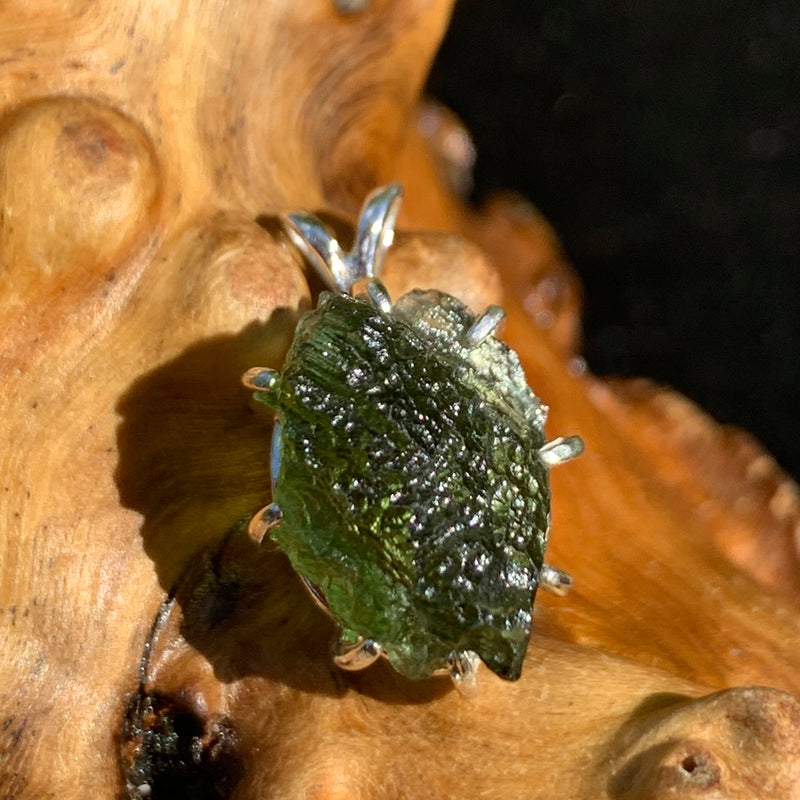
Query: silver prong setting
point(379, 295)
point(565, 448)
point(316, 595)
point(263, 522)
point(374, 236)
point(260, 379)
point(462, 666)
point(555, 580)
point(275, 453)
point(358, 655)
point(484, 326)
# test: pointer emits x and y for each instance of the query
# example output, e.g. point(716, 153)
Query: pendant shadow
point(194, 462)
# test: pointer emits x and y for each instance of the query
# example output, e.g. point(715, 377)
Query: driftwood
point(144, 152)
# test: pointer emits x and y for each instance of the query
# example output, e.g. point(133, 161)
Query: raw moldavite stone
point(410, 485)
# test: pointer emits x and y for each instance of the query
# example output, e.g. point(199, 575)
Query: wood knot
point(79, 183)
point(738, 743)
point(97, 144)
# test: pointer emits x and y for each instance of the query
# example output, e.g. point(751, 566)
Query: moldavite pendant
point(410, 470)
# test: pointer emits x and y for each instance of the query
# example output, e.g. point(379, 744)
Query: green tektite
point(412, 492)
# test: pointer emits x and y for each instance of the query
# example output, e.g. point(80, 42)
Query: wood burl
point(145, 151)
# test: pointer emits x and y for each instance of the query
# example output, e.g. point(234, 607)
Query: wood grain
point(145, 150)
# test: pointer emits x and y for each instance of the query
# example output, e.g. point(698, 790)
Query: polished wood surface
point(144, 153)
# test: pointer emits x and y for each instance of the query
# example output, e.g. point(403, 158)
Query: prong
point(263, 521)
point(260, 379)
point(316, 595)
point(560, 450)
point(463, 668)
point(554, 580)
point(275, 453)
point(354, 656)
point(379, 296)
point(484, 326)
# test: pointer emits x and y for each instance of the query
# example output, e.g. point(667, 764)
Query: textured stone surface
point(412, 492)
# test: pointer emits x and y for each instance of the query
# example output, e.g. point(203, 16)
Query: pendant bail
point(374, 235)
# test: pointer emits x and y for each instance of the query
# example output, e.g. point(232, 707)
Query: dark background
point(663, 142)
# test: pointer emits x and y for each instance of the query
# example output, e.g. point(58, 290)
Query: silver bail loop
point(374, 235)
